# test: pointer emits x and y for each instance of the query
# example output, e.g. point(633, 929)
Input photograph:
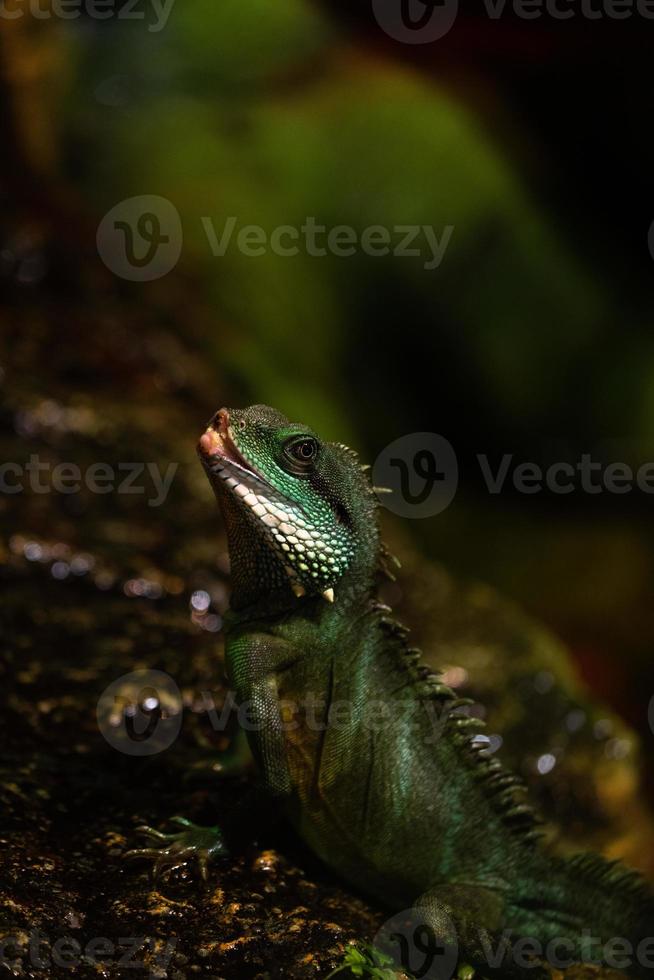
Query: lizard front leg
point(253, 660)
point(175, 850)
point(260, 718)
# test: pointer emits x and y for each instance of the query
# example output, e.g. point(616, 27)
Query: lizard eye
point(302, 452)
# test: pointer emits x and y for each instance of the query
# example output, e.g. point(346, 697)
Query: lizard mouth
point(218, 451)
point(222, 459)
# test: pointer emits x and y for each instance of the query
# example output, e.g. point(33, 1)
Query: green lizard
point(371, 757)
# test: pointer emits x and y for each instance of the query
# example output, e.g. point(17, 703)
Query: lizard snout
point(220, 421)
point(212, 440)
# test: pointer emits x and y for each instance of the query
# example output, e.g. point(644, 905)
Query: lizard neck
point(261, 587)
point(354, 593)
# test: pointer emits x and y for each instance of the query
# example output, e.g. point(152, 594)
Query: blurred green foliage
point(262, 112)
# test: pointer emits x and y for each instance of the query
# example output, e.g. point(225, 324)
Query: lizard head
point(296, 507)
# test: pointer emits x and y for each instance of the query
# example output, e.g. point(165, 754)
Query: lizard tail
point(594, 910)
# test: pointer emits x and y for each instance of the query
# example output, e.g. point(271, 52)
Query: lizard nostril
point(220, 421)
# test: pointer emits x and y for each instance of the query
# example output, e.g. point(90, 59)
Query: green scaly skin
point(372, 758)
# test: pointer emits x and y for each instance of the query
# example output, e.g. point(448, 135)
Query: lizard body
point(372, 758)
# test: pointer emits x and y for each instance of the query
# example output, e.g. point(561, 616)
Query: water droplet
point(200, 600)
point(495, 743)
point(546, 763)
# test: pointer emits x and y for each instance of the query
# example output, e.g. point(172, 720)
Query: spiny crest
point(349, 451)
point(504, 790)
point(387, 562)
point(613, 875)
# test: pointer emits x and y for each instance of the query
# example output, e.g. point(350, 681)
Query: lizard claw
point(176, 850)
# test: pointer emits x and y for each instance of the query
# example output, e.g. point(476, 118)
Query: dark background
point(533, 337)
